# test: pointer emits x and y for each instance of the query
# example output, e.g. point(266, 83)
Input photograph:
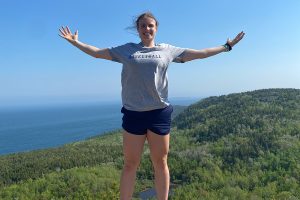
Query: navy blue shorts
point(157, 121)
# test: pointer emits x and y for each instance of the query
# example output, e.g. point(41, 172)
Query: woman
point(146, 110)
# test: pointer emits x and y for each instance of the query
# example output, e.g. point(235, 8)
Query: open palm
point(236, 39)
point(67, 34)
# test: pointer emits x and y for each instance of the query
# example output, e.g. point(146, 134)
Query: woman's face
point(147, 29)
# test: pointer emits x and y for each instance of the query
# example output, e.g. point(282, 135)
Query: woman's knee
point(130, 165)
point(160, 163)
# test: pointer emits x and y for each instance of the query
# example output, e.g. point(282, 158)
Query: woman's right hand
point(67, 34)
point(88, 49)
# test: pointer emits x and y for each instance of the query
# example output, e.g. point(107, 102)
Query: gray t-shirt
point(144, 74)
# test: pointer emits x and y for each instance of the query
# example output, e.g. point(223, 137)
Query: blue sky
point(37, 66)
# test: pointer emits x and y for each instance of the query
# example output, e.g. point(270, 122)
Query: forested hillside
point(246, 146)
point(237, 146)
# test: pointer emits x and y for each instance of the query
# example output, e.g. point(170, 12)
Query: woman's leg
point(159, 148)
point(132, 150)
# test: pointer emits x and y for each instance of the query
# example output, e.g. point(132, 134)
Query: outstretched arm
point(192, 54)
point(90, 50)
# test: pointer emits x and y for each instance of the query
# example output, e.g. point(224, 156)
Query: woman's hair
point(136, 20)
point(143, 15)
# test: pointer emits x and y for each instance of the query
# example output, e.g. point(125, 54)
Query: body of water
point(31, 128)
point(36, 128)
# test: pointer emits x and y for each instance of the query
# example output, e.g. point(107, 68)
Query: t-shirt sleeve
point(118, 53)
point(176, 53)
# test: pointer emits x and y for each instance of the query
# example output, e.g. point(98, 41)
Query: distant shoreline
point(27, 105)
point(40, 127)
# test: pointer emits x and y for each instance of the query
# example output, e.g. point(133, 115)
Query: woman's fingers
point(68, 30)
point(240, 36)
point(236, 39)
point(62, 32)
point(65, 31)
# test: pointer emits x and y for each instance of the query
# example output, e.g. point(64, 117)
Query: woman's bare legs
point(159, 148)
point(132, 150)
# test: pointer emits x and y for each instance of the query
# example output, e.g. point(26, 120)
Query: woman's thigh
point(159, 147)
point(133, 146)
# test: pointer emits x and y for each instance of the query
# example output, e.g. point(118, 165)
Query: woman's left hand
point(236, 39)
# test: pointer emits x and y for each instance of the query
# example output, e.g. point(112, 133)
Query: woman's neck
point(148, 43)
